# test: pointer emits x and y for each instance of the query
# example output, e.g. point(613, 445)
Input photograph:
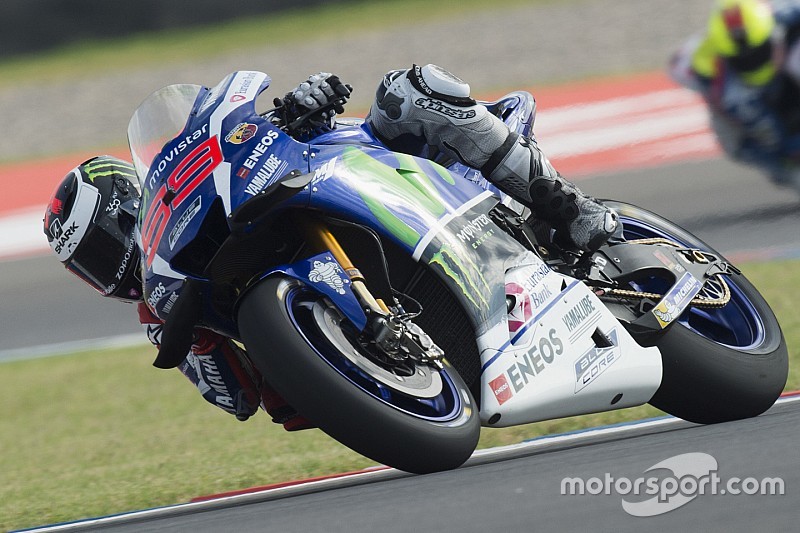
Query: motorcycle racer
point(747, 68)
point(90, 220)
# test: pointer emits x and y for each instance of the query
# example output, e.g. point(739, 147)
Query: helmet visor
point(109, 264)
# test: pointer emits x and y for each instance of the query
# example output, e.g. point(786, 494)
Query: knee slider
point(436, 82)
point(550, 201)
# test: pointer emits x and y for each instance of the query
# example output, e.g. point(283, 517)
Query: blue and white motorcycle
point(401, 303)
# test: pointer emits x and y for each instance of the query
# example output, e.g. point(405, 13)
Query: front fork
point(321, 238)
point(393, 333)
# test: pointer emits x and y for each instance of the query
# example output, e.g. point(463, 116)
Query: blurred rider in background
point(746, 65)
point(90, 221)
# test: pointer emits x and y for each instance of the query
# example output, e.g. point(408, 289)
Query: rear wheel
point(409, 416)
point(719, 364)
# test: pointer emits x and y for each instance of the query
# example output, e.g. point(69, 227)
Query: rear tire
point(709, 375)
point(385, 423)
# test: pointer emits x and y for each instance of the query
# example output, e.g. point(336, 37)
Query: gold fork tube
point(323, 239)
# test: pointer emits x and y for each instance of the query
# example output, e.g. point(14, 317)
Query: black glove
point(309, 109)
point(319, 91)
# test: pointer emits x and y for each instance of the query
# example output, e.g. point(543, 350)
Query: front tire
point(297, 339)
point(719, 365)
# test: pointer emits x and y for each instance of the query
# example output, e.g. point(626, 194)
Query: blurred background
point(73, 71)
point(79, 90)
point(63, 22)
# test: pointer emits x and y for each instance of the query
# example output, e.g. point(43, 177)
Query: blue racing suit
point(222, 373)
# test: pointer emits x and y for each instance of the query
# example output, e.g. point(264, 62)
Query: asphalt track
point(731, 207)
point(520, 488)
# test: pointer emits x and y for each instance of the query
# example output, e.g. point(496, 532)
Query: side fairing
point(562, 353)
point(439, 219)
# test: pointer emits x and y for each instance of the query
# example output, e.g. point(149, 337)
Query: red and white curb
point(21, 233)
point(627, 132)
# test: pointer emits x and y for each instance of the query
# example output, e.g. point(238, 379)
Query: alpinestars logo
point(437, 106)
point(153, 332)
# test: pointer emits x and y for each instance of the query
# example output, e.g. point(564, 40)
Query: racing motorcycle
point(401, 303)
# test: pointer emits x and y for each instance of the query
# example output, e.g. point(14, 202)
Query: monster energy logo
point(108, 166)
point(467, 276)
point(473, 227)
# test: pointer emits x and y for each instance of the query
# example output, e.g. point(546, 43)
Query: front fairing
point(198, 149)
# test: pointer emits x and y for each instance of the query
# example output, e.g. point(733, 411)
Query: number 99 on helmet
point(90, 225)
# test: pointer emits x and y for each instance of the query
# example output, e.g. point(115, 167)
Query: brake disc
point(424, 382)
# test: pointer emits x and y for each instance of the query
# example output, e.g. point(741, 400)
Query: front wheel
point(719, 364)
point(411, 417)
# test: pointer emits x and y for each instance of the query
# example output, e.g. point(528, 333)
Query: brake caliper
point(400, 339)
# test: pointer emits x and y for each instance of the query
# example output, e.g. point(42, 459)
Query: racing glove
point(320, 90)
point(309, 109)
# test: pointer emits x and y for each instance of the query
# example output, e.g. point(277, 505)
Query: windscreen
point(158, 120)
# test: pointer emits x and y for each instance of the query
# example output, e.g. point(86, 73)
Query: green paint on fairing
point(408, 184)
point(453, 267)
point(412, 163)
point(409, 180)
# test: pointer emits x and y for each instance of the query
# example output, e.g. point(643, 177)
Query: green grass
point(324, 22)
point(92, 434)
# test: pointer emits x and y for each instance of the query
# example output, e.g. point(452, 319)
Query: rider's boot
point(428, 105)
point(281, 412)
point(521, 170)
